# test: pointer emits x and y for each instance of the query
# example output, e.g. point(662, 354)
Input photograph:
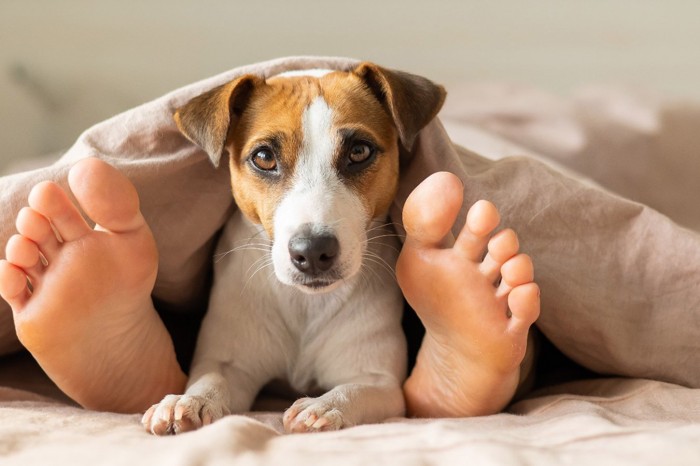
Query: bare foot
point(87, 316)
point(476, 309)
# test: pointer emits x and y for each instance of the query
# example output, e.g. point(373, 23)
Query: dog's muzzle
point(314, 254)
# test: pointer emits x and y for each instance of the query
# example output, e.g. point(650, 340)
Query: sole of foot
point(476, 297)
point(81, 296)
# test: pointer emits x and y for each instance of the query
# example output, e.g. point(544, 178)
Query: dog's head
point(314, 158)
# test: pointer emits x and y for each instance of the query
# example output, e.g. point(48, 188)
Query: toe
point(161, 419)
point(148, 417)
point(37, 228)
point(188, 414)
point(524, 305)
point(482, 219)
point(515, 272)
point(24, 254)
point(51, 201)
point(289, 419)
point(106, 195)
point(13, 285)
point(503, 246)
point(431, 210)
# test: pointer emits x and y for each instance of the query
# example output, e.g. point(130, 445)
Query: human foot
point(87, 316)
point(476, 309)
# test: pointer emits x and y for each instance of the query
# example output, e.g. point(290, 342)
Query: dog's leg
point(364, 400)
point(227, 373)
point(363, 362)
point(237, 347)
point(215, 390)
point(205, 401)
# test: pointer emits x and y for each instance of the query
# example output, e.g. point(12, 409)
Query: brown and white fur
point(314, 160)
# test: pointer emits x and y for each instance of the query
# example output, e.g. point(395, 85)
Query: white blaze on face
point(317, 197)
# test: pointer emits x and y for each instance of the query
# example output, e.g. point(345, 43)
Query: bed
point(601, 187)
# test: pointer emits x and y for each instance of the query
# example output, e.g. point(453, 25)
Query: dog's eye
point(264, 160)
point(360, 152)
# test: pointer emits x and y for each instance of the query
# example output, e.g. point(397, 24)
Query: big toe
point(106, 195)
point(431, 210)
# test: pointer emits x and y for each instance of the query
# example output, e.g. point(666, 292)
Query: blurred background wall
point(67, 64)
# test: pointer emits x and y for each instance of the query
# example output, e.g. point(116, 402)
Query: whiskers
point(379, 232)
point(253, 259)
point(369, 258)
point(259, 265)
point(373, 264)
point(254, 243)
point(385, 227)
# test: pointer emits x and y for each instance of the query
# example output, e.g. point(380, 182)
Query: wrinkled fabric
point(608, 421)
point(620, 283)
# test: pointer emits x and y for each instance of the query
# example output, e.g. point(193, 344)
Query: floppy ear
point(411, 100)
point(206, 119)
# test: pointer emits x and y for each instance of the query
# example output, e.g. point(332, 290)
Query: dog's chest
point(311, 324)
point(296, 327)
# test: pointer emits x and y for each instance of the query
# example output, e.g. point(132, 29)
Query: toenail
point(323, 422)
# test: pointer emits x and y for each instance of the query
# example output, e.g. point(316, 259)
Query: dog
point(314, 159)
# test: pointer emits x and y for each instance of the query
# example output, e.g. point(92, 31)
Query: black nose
point(313, 254)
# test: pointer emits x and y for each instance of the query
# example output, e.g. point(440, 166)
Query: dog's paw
point(313, 415)
point(181, 413)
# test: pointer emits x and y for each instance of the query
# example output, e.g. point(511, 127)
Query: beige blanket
point(620, 285)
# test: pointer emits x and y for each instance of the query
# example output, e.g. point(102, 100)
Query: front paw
point(181, 413)
point(313, 415)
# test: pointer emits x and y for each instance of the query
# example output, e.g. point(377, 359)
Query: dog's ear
point(411, 100)
point(206, 119)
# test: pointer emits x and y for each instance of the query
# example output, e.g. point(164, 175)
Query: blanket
point(619, 280)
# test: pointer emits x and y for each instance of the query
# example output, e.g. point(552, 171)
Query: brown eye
point(360, 152)
point(264, 159)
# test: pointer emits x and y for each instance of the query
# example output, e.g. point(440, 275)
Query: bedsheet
point(639, 146)
point(592, 422)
